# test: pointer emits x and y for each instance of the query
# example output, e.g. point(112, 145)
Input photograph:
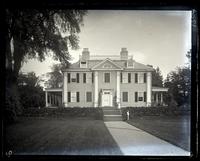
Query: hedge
point(153, 111)
point(91, 112)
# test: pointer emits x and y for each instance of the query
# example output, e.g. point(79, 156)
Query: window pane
point(107, 77)
point(88, 96)
point(125, 96)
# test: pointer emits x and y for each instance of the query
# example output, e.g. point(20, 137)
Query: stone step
point(112, 118)
point(111, 112)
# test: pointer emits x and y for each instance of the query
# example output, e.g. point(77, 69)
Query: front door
point(107, 98)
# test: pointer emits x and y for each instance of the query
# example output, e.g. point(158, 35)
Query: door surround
point(106, 98)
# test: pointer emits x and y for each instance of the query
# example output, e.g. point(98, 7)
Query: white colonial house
point(106, 80)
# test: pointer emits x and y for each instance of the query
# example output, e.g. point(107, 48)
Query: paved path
point(133, 141)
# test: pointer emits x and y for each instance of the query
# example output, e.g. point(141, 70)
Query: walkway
point(133, 141)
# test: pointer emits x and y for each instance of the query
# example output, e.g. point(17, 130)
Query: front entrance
point(107, 98)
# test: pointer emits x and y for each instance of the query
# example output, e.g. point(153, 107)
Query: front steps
point(111, 114)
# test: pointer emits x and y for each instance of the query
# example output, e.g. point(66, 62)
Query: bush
point(12, 105)
point(153, 111)
point(91, 112)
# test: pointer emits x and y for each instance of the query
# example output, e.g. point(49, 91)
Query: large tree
point(157, 78)
point(34, 33)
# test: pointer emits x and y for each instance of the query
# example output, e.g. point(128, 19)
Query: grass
point(174, 129)
point(60, 136)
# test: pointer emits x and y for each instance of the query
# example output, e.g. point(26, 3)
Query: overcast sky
point(159, 38)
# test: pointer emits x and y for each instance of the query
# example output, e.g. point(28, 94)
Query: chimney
point(85, 54)
point(124, 54)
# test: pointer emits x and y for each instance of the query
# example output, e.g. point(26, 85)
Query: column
point(161, 97)
point(64, 95)
point(157, 101)
point(46, 98)
point(96, 89)
point(118, 89)
point(149, 84)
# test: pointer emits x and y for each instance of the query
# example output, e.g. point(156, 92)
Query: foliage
point(55, 76)
point(157, 78)
point(179, 84)
point(154, 111)
point(91, 112)
point(30, 92)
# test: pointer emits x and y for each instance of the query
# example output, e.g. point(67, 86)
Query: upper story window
point(107, 77)
point(140, 77)
point(126, 77)
point(83, 64)
point(73, 77)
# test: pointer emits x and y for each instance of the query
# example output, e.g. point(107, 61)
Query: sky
point(158, 38)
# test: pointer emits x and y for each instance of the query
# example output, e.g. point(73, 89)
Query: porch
point(53, 97)
point(157, 96)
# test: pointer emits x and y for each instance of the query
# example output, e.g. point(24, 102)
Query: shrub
point(12, 105)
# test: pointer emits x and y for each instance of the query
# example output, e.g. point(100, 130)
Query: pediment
point(107, 64)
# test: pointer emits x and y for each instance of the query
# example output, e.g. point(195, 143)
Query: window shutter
point(69, 96)
point(92, 77)
point(145, 96)
point(77, 97)
point(145, 77)
point(136, 96)
point(136, 78)
point(68, 77)
point(84, 77)
point(129, 77)
point(121, 77)
point(77, 77)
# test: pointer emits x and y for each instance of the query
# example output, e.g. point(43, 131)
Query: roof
point(118, 63)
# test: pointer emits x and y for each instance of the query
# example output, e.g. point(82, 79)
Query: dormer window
point(83, 64)
point(129, 64)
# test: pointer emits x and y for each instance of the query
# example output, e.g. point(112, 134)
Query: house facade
point(106, 81)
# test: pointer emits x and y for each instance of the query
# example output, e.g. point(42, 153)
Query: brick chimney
point(85, 54)
point(124, 54)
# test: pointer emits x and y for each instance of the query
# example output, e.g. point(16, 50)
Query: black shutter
point(136, 78)
point(145, 77)
point(92, 77)
point(129, 77)
point(68, 77)
point(69, 96)
point(136, 96)
point(77, 97)
point(84, 77)
point(145, 96)
point(121, 77)
point(77, 77)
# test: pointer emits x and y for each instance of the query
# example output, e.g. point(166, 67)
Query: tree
point(55, 76)
point(179, 84)
point(157, 78)
point(30, 92)
point(35, 34)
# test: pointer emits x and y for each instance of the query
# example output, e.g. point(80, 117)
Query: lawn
point(174, 129)
point(60, 136)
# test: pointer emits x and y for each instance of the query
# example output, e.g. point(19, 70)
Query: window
point(68, 77)
point(145, 77)
point(73, 97)
point(73, 77)
point(136, 78)
point(77, 77)
point(140, 96)
point(84, 77)
point(125, 96)
point(77, 97)
point(129, 77)
point(125, 77)
point(83, 64)
point(88, 96)
point(107, 77)
point(140, 78)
